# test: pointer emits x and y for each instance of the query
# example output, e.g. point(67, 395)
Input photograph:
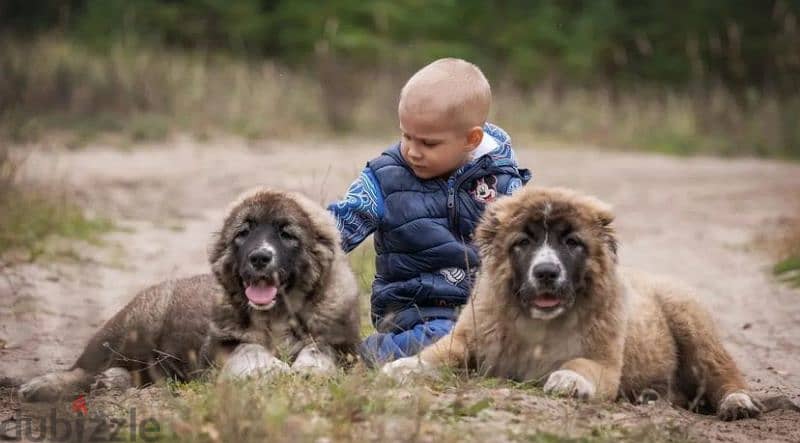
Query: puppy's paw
point(44, 387)
point(252, 360)
point(312, 361)
point(406, 368)
point(738, 405)
point(568, 383)
point(113, 379)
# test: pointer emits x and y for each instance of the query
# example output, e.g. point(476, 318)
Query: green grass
point(144, 127)
point(787, 249)
point(32, 217)
point(362, 261)
point(30, 220)
point(360, 405)
point(132, 94)
point(141, 93)
point(287, 408)
point(788, 270)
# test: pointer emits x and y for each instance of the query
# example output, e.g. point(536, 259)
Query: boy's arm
point(517, 182)
point(359, 212)
point(513, 184)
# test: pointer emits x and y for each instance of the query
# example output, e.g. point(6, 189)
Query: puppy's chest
point(279, 335)
point(532, 350)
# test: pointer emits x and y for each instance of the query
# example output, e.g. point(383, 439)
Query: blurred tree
point(746, 46)
point(742, 44)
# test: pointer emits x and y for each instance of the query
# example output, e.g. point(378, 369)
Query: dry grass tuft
point(49, 86)
point(362, 406)
point(30, 217)
point(788, 268)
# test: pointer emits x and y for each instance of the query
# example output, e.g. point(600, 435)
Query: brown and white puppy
point(281, 294)
point(551, 305)
point(288, 286)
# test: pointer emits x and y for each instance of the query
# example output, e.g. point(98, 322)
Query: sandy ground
point(703, 220)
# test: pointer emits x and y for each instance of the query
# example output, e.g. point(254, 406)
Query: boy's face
point(432, 147)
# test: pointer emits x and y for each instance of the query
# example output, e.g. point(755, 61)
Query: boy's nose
point(412, 152)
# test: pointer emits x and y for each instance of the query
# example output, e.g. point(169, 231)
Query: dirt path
point(702, 220)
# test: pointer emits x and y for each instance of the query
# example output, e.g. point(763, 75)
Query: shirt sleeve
point(359, 212)
point(516, 183)
point(513, 184)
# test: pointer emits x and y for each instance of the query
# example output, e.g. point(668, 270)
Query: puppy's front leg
point(250, 360)
point(311, 360)
point(585, 379)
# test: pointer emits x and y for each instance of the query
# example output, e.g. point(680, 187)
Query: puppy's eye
point(523, 242)
point(286, 235)
point(244, 232)
point(573, 242)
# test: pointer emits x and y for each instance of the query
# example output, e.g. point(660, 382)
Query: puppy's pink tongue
point(261, 295)
point(546, 301)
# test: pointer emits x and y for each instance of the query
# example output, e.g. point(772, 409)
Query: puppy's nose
point(546, 272)
point(260, 258)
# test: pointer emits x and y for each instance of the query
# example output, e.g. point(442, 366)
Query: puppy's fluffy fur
point(591, 330)
point(179, 327)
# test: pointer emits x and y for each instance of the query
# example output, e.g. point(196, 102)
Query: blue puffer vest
point(425, 260)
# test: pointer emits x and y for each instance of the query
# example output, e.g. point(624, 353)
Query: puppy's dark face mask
point(548, 260)
point(272, 247)
point(546, 247)
point(266, 255)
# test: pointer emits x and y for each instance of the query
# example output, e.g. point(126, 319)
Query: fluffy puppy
point(281, 293)
point(551, 305)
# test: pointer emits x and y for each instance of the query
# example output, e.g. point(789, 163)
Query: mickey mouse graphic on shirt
point(484, 189)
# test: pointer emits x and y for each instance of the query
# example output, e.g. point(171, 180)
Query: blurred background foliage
point(677, 76)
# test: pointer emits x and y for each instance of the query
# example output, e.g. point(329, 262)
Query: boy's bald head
point(450, 88)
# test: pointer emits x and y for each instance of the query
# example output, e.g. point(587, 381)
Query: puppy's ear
point(487, 229)
point(215, 247)
point(610, 237)
point(325, 246)
point(218, 246)
point(604, 215)
point(326, 237)
point(221, 258)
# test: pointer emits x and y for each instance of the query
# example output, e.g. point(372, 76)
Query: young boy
point(422, 199)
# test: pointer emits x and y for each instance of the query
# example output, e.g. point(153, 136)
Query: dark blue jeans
point(380, 348)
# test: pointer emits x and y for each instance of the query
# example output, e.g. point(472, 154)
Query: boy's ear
point(474, 138)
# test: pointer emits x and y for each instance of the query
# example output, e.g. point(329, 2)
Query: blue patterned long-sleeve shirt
point(358, 214)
